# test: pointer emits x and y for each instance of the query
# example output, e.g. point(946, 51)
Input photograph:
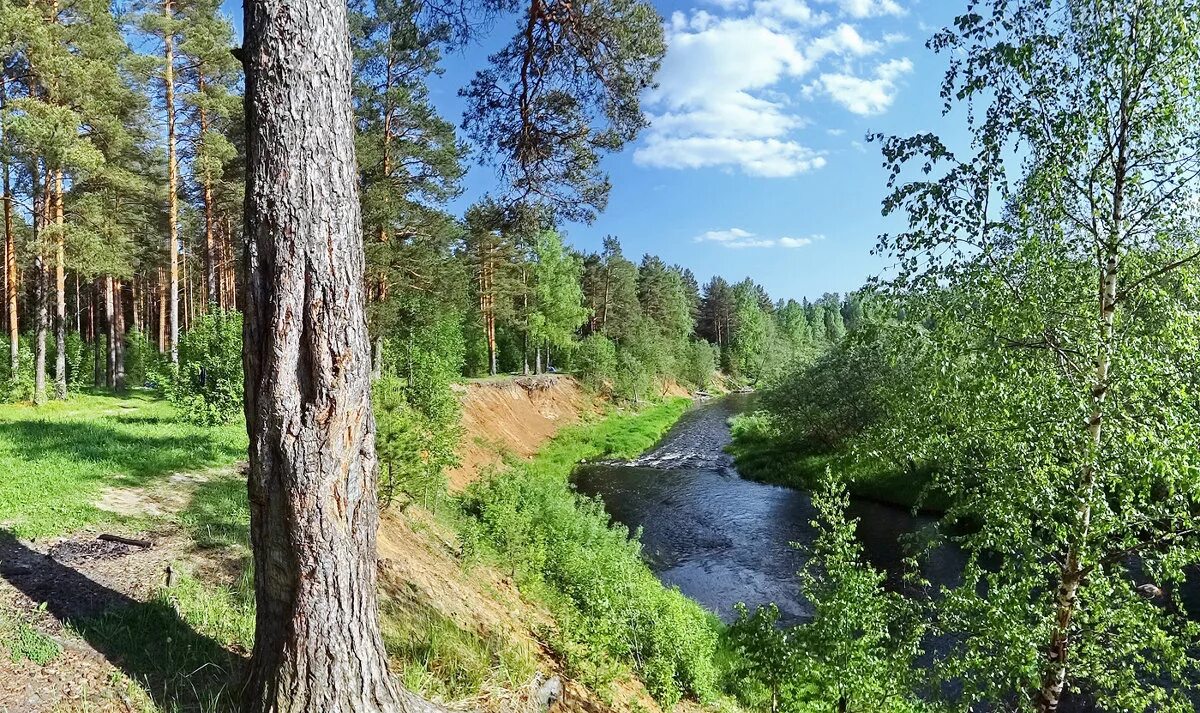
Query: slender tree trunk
point(525, 309)
point(60, 283)
point(110, 321)
point(98, 375)
point(78, 307)
point(162, 312)
point(172, 179)
point(1073, 569)
point(10, 253)
point(135, 305)
point(118, 337)
point(377, 359)
point(211, 296)
point(312, 474)
point(42, 205)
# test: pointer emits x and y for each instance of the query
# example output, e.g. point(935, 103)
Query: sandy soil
point(514, 416)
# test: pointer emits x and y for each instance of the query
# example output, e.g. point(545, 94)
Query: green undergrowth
point(183, 649)
point(22, 641)
point(761, 455)
point(60, 457)
point(440, 659)
point(611, 613)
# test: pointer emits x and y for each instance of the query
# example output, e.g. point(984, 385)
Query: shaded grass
point(436, 657)
point(58, 458)
point(183, 649)
point(23, 641)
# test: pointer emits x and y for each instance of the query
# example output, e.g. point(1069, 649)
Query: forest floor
point(93, 625)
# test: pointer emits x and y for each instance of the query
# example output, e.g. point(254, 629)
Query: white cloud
point(723, 236)
point(730, 83)
point(768, 158)
point(866, 96)
point(860, 9)
point(739, 239)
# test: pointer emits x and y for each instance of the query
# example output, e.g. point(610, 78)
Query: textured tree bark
point(60, 288)
point(40, 289)
point(312, 476)
point(119, 336)
point(10, 260)
point(110, 374)
point(172, 178)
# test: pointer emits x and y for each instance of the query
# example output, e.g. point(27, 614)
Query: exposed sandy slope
point(516, 416)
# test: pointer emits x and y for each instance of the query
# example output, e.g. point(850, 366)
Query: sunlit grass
point(60, 457)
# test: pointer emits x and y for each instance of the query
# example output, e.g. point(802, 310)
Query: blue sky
point(755, 163)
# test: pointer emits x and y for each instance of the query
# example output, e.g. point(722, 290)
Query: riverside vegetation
point(1028, 366)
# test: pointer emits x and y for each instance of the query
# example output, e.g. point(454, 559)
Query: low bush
point(207, 385)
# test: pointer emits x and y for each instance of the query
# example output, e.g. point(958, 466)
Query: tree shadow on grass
point(180, 669)
point(138, 457)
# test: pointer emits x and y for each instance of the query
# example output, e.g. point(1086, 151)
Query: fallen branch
point(125, 540)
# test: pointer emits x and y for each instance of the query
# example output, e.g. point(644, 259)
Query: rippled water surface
point(719, 538)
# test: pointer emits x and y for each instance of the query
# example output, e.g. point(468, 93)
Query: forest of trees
point(266, 230)
point(123, 153)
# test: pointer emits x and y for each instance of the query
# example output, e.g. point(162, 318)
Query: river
point(722, 539)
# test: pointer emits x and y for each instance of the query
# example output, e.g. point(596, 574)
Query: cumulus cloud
point(727, 91)
point(739, 239)
point(866, 97)
point(870, 8)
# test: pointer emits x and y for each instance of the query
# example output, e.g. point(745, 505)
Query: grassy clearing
point(60, 457)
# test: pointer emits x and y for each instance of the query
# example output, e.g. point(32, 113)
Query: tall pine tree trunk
point(118, 339)
point(98, 376)
point(172, 179)
point(10, 254)
point(162, 312)
point(41, 299)
point(110, 321)
point(312, 475)
point(211, 296)
point(60, 286)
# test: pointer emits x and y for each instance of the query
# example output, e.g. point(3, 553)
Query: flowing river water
point(722, 539)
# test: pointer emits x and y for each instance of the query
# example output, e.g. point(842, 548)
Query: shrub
point(142, 358)
point(207, 385)
point(414, 449)
point(698, 364)
point(633, 379)
point(595, 361)
point(18, 386)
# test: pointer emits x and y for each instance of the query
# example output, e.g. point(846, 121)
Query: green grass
point(60, 457)
point(620, 434)
point(23, 641)
point(437, 658)
point(183, 649)
point(611, 613)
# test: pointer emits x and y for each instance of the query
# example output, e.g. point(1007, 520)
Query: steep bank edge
point(514, 415)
